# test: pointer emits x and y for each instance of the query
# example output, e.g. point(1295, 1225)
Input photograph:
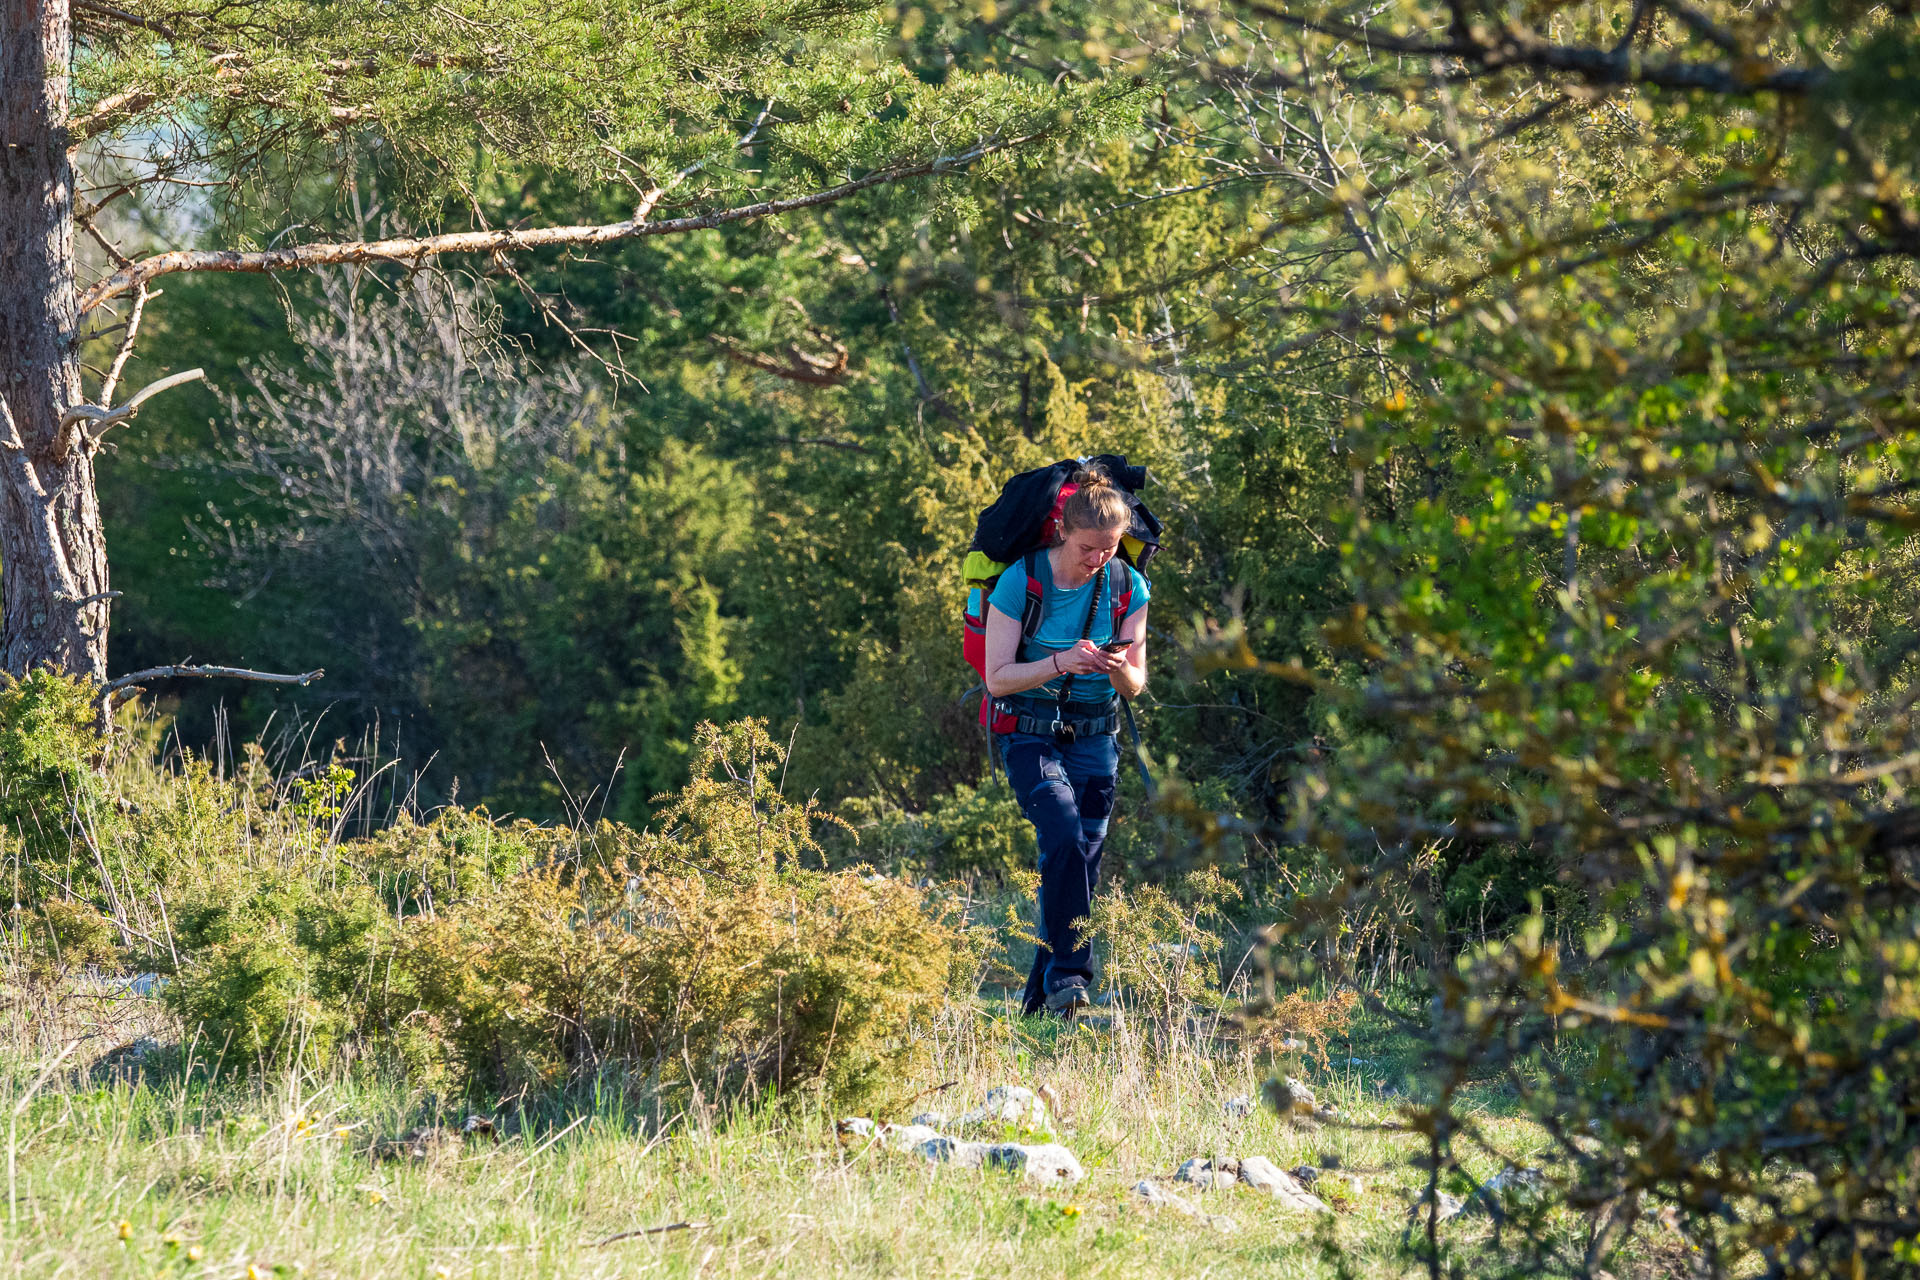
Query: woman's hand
point(1089, 659)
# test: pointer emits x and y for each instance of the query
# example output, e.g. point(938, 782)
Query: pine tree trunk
point(53, 557)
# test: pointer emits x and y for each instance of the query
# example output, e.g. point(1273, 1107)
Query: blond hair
point(1096, 504)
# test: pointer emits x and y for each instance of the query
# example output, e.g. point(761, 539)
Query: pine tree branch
point(127, 103)
point(159, 28)
point(126, 345)
point(414, 249)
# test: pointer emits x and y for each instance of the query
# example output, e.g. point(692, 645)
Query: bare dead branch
point(412, 250)
point(800, 366)
point(648, 1231)
point(116, 686)
point(98, 597)
point(828, 442)
point(90, 421)
point(1518, 48)
point(126, 345)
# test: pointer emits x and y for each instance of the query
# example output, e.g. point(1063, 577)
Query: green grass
point(278, 1174)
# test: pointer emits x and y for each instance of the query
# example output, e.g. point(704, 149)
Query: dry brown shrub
point(1300, 1017)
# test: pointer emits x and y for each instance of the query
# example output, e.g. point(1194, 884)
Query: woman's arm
point(1007, 678)
point(1131, 676)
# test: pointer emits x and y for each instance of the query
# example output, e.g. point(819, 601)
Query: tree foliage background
point(1529, 391)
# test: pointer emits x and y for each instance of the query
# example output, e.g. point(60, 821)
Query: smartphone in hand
point(1116, 646)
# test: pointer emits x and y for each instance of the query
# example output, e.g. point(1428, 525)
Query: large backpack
point(1022, 522)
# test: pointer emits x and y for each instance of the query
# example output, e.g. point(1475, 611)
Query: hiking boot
point(1068, 998)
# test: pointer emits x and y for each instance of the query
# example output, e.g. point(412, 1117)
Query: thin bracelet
point(1056, 663)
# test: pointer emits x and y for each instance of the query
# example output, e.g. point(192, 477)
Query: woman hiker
point(1062, 685)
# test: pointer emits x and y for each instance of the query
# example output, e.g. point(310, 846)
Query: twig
point(128, 102)
point(938, 1088)
point(649, 1231)
point(132, 19)
point(98, 597)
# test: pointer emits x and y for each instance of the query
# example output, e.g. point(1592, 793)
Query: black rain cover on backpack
point(1017, 521)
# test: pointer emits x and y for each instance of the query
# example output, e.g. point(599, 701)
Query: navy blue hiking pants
point(1066, 791)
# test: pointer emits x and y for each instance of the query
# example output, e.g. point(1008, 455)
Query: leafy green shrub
point(286, 971)
point(705, 955)
point(63, 935)
point(417, 867)
point(966, 831)
point(50, 793)
point(798, 979)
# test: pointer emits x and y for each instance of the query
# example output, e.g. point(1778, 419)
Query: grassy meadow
point(331, 1001)
point(174, 1170)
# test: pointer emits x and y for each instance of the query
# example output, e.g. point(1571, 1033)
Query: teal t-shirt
point(1062, 614)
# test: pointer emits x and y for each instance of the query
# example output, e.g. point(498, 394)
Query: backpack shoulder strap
point(1121, 597)
point(1036, 598)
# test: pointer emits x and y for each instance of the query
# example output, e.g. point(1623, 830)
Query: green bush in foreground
point(510, 957)
point(49, 792)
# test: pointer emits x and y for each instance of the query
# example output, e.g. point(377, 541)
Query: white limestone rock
point(905, 1137)
point(1048, 1163)
point(1210, 1175)
point(945, 1150)
point(1010, 1104)
point(1516, 1181)
point(855, 1130)
point(1448, 1206)
point(1264, 1176)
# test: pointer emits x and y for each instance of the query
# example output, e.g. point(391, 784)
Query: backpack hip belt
point(1056, 720)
